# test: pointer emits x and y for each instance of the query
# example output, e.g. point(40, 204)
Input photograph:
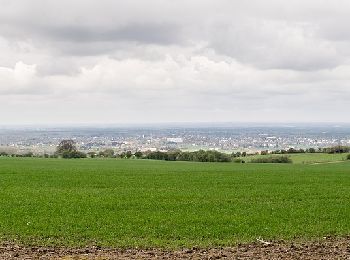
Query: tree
point(138, 154)
point(91, 154)
point(66, 146)
point(128, 154)
point(109, 153)
point(67, 149)
point(3, 154)
point(311, 150)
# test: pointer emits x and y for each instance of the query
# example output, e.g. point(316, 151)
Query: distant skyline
point(111, 62)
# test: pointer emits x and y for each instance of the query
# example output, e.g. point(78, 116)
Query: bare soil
point(326, 248)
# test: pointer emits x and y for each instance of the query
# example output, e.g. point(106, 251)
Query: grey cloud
point(269, 34)
point(58, 67)
point(276, 45)
point(228, 58)
point(141, 33)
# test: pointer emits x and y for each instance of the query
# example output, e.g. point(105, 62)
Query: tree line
point(67, 149)
point(329, 150)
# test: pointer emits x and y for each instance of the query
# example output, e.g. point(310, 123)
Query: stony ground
point(326, 248)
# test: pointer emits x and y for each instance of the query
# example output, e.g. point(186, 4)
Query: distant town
point(227, 139)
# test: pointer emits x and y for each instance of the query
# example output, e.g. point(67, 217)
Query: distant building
point(174, 140)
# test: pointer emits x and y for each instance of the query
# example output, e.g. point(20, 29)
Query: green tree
point(66, 146)
point(128, 154)
point(67, 149)
point(109, 153)
point(138, 154)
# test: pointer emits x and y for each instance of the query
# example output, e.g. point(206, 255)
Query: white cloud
point(18, 80)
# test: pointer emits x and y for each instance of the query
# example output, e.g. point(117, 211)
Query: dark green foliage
point(66, 146)
point(348, 157)
point(107, 153)
point(311, 150)
point(157, 155)
point(237, 154)
point(197, 156)
point(138, 154)
point(272, 159)
point(67, 149)
point(73, 155)
point(291, 151)
point(337, 149)
point(28, 154)
point(128, 154)
point(91, 154)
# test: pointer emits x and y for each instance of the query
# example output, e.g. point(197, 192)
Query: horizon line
point(170, 124)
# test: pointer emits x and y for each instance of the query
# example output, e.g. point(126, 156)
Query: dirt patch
point(327, 248)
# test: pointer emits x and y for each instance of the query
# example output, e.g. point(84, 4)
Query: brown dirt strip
point(327, 248)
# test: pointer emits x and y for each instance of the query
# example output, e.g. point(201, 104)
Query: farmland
point(306, 158)
point(145, 203)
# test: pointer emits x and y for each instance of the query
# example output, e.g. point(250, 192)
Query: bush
point(107, 153)
point(197, 156)
point(138, 154)
point(348, 157)
point(28, 154)
point(337, 149)
point(238, 161)
point(274, 159)
point(74, 154)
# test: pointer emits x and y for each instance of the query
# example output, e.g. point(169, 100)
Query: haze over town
point(226, 138)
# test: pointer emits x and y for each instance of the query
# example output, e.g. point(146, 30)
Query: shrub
point(238, 161)
point(337, 149)
point(138, 154)
point(273, 159)
point(74, 154)
point(28, 154)
point(348, 157)
point(197, 156)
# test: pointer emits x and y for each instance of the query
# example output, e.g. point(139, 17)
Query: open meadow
point(306, 158)
point(145, 203)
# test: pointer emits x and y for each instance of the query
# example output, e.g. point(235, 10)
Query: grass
point(306, 158)
point(143, 203)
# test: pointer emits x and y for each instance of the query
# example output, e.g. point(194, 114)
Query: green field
point(144, 203)
point(306, 158)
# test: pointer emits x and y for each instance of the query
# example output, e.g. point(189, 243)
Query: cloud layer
point(111, 61)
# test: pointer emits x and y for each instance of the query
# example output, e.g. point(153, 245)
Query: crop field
point(306, 158)
point(144, 203)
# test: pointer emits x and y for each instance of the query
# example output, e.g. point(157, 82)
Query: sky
point(157, 61)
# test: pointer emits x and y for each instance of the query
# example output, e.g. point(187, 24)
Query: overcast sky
point(152, 61)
